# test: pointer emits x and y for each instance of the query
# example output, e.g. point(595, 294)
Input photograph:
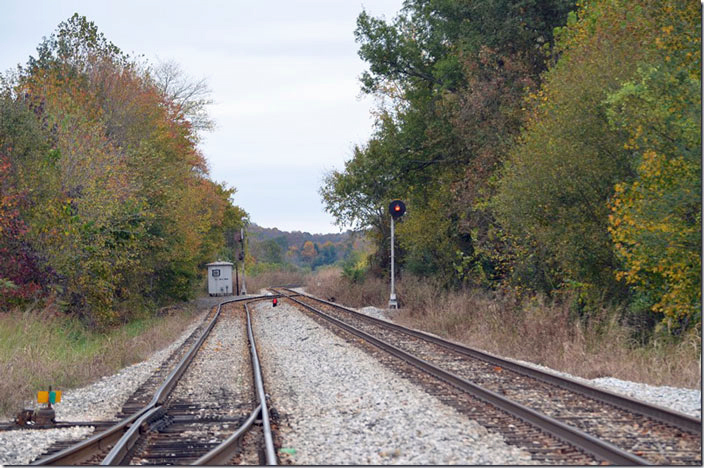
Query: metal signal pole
point(396, 210)
point(393, 303)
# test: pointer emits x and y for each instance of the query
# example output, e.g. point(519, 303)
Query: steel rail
point(83, 450)
point(658, 413)
point(598, 448)
point(120, 451)
point(221, 454)
point(80, 452)
point(119, 455)
point(259, 383)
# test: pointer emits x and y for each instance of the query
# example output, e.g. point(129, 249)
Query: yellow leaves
point(652, 239)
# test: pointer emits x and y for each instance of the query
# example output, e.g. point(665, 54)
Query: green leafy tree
point(431, 68)
point(271, 252)
point(553, 194)
point(656, 218)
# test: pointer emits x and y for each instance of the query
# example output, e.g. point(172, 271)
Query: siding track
point(181, 423)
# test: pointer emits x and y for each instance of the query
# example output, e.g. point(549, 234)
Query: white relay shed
point(220, 278)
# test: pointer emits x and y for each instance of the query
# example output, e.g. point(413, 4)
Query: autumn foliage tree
point(656, 218)
point(555, 187)
point(119, 206)
point(548, 147)
point(606, 176)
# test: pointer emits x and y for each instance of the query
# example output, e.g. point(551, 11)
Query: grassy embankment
point(38, 349)
point(533, 330)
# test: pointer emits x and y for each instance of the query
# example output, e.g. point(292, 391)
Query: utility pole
point(237, 279)
point(244, 286)
point(396, 210)
point(237, 257)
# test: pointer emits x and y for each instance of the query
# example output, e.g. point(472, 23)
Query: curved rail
point(225, 451)
point(126, 431)
point(596, 447)
point(259, 382)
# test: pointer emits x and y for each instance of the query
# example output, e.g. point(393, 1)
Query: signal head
point(397, 208)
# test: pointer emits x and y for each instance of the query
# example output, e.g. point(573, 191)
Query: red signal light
point(274, 302)
point(397, 208)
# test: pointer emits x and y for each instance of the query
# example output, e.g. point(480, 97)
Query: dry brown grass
point(532, 329)
point(274, 278)
point(36, 351)
point(328, 283)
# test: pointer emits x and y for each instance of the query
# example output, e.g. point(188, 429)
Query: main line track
point(608, 426)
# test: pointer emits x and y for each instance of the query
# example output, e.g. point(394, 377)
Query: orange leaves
point(308, 252)
point(121, 203)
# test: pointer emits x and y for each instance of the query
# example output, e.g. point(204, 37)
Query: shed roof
point(219, 264)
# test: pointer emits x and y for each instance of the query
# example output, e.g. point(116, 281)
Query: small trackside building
point(220, 278)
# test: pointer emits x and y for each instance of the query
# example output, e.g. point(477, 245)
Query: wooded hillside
point(273, 248)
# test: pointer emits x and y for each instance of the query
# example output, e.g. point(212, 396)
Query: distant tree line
point(548, 146)
point(273, 249)
point(106, 206)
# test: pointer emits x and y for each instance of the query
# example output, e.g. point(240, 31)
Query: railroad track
point(182, 424)
point(606, 426)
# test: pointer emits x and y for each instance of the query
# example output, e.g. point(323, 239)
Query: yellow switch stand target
point(49, 397)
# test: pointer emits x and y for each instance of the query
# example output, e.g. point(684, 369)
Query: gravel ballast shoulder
point(338, 405)
point(684, 400)
point(95, 402)
point(23, 446)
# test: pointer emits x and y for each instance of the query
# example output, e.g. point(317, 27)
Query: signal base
point(393, 303)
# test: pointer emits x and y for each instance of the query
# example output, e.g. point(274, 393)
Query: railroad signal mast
point(396, 209)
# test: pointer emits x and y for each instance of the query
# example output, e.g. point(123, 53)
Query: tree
point(115, 197)
point(554, 191)
point(656, 219)
point(432, 66)
point(271, 252)
point(188, 97)
point(309, 252)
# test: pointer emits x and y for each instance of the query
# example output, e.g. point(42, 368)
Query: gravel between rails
point(219, 379)
point(338, 405)
point(218, 382)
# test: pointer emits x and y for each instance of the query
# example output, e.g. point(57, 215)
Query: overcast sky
point(284, 80)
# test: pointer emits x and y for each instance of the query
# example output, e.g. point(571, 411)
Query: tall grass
point(38, 349)
point(532, 329)
point(269, 279)
point(329, 283)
